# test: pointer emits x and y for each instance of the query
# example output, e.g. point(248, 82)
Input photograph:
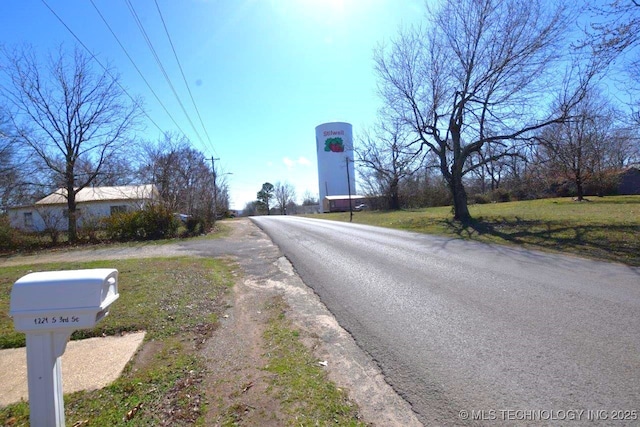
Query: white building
point(92, 204)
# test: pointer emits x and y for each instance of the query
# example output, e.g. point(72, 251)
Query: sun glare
point(313, 10)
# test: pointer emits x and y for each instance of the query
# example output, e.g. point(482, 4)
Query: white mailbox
point(55, 300)
point(48, 306)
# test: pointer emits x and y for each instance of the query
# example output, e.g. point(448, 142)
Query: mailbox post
point(48, 307)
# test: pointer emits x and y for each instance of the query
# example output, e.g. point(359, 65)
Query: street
point(471, 333)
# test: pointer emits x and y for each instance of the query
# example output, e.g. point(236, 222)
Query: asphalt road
point(478, 334)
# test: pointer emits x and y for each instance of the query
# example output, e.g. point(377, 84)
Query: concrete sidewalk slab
point(86, 365)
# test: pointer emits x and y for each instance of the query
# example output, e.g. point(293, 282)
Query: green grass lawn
point(606, 228)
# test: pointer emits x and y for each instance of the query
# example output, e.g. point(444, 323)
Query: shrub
point(158, 223)
point(481, 199)
point(501, 195)
point(12, 240)
point(121, 226)
point(53, 233)
point(195, 226)
point(9, 237)
point(53, 221)
point(152, 223)
point(91, 225)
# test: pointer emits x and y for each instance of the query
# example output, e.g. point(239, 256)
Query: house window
point(28, 219)
point(117, 209)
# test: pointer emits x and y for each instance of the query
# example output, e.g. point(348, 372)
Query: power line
point(100, 63)
point(183, 76)
point(162, 69)
point(136, 67)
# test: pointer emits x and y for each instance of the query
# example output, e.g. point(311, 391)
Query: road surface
point(473, 334)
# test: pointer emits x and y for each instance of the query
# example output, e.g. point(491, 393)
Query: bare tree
point(183, 177)
point(222, 195)
point(16, 169)
point(52, 220)
point(619, 28)
point(588, 144)
point(119, 170)
point(162, 158)
point(477, 77)
point(623, 148)
point(284, 194)
point(494, 165)
point(309, 199)
point(614, 35)
point(250, 208)
point(8, 168)
point(8, 178)
point(386, 158)
point(67, 114)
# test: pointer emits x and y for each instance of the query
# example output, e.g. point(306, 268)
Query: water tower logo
point(335, 145)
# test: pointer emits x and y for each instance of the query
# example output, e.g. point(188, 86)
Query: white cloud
point(302, 161)
point(288, 162)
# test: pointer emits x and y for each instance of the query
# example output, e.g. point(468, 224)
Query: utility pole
point(349, 190)
point(215, 190)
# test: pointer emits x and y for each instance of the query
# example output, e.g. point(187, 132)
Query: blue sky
point(263, 73)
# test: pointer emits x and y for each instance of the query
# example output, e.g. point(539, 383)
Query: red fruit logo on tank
point(334, 144)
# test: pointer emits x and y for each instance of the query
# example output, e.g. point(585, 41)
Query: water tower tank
point(334, 145)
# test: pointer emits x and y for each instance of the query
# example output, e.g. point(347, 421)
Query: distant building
point(629, 182)
point(93, 203)
point(340, 203)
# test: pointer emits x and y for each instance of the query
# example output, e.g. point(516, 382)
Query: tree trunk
point(460, 207)
point(72, 217)
point(395, 199)
point(579, 189)
point(71, 201)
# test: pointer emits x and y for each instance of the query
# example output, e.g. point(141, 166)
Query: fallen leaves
point(247, 387)
point(132, 413)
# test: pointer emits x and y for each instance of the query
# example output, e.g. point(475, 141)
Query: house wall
point(54, 215)
point(630, 182)
point(17, 219)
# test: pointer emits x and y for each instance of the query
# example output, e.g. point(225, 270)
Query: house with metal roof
point(93, 203)
point(340, 203)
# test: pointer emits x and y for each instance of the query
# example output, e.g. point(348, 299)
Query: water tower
point(334, 145)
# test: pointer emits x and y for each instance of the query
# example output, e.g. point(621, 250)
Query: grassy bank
point(299, 381)
point(177, 301)
point(606, 228)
